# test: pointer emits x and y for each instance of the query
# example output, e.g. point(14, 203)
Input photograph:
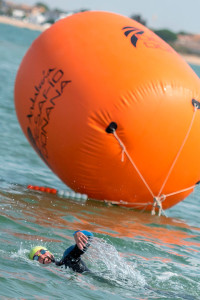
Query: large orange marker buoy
point(112, 109)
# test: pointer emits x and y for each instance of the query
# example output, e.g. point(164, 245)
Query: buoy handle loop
point(196, 104)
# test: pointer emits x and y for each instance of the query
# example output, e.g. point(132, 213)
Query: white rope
point(136, 204)
point(180, 191)
point(121, 145)
point(178, 154)
point(132, 162)
point(159, 199)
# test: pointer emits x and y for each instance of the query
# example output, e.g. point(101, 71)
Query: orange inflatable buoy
point(112, 109)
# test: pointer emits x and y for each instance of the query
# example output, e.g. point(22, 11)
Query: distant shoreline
point(19, 23)
point(191, 59)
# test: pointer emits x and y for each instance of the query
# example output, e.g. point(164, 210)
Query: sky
point(176, 15)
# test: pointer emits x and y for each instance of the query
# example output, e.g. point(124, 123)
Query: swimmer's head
point(41, 254)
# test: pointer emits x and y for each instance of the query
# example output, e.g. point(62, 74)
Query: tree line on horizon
point(166, 34)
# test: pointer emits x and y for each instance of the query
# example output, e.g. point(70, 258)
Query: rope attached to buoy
point(157, 200)
point(132, 162)
point(179, 152)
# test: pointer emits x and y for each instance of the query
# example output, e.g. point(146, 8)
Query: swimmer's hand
point(80, 239)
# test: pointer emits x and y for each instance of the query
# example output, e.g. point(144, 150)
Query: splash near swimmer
point(112, 109)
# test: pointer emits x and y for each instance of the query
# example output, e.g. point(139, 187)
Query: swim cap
point(87, 233)
point(36, 249)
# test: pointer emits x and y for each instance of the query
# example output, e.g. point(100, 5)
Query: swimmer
point(72, 259)
point(72, 255)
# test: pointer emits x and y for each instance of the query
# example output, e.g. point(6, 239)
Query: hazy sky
point(173, 14)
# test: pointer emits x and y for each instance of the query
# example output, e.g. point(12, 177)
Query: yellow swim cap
point(34, 250)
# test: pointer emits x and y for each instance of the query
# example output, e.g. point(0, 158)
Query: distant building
point(36, 18)
point(189, 42)
point(15, 10)
point(4, 7)
point(18, 14)
point(32, 14)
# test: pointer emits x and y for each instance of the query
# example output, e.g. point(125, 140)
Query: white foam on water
point(166, 276)
point(21, 253)
point(108, 263)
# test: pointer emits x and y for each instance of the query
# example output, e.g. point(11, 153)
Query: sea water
point(133, 256)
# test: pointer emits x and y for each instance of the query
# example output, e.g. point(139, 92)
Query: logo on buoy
point(135, 31)
point(149, 40)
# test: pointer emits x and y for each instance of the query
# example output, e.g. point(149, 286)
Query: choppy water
point(134, 255)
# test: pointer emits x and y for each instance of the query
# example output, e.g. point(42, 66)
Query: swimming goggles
point(42, 251)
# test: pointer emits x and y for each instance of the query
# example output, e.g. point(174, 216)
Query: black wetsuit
point(72, 256)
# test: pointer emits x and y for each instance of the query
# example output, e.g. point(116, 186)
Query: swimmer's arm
point(80, 239)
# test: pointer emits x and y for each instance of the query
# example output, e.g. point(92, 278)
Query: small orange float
point(112, 110)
